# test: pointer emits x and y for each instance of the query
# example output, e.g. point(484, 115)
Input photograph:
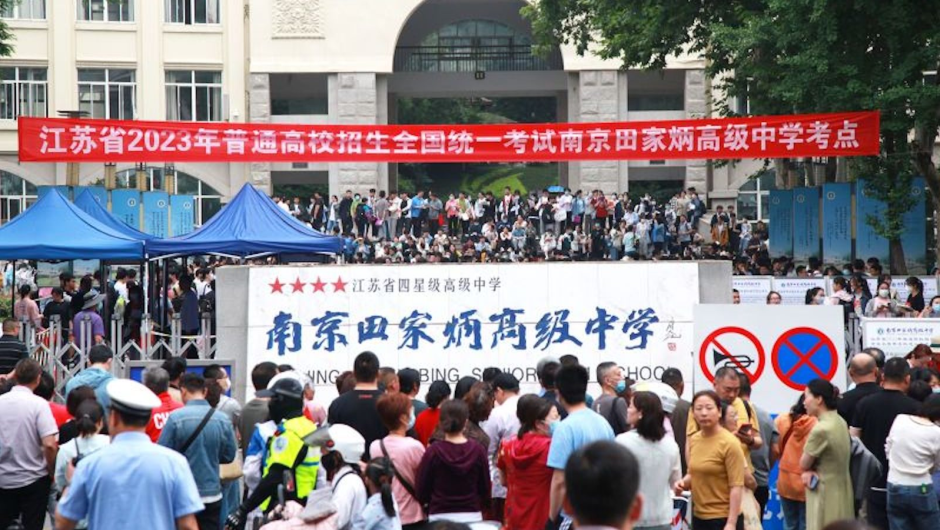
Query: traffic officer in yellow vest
point(285, 450)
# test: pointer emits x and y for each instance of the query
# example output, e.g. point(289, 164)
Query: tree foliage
point(789, 56)
point(6, 36)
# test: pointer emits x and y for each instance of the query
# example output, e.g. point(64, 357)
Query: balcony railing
point(514, 58)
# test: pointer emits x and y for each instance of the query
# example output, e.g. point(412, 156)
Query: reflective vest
point(284, 448)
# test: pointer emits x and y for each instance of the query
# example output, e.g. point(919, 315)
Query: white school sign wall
point(451, 321)
point(781, 348)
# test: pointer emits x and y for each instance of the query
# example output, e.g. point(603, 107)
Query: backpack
point(206, 304)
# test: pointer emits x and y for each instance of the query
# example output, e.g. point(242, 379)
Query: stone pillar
point(357, 102)
point(259, 111)
point(696, 171)
point(595, 96)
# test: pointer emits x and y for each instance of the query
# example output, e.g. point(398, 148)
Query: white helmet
point(665, 392)
point(340, 438)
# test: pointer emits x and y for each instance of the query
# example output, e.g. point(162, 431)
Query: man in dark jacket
point(345, 212)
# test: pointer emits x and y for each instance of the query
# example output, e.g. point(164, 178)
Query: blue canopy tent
point(88, 204)
point(54, 229)
point(249, 226)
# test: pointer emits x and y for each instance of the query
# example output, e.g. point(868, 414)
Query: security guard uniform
point(284, 451)
point(287, 448)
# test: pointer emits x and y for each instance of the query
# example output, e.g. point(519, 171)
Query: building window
point(473, 45)
point(193, 95)
point(192, 11)
point(109, 93)
point(16, 194)
point(22, 92)
point(754, 196)
point(656, 102)
point(208, 199)
point(25, 10)
point(106, 10)
point(299, 94)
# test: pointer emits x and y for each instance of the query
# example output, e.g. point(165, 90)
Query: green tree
point(791, 56)
point(6, 36)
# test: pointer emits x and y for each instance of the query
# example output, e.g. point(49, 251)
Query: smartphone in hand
point(814, 482)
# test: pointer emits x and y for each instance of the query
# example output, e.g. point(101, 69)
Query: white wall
point(63, 44)
point(361, 36)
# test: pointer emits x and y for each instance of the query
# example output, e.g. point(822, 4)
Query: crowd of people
point(190, 293)
point(548, 225)
point(851, 290)
point(177, 451)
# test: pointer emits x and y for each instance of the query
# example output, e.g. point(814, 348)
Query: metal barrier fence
point(59, 353)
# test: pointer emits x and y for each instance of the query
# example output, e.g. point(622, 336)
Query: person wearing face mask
point(882, 305)
point(342, 448)
point(815, 296)
point(933, 310)
point(227, 405)
point(285, 450)
point(610, 405)
point(523, 464)
point(404, 453)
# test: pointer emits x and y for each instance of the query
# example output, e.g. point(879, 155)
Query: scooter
point(284, 490)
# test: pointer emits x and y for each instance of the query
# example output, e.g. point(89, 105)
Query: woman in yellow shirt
point(716, 469)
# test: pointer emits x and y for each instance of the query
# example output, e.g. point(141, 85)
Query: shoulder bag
point(404, 482)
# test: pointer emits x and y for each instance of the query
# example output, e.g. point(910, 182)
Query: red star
point(339, 285)
point(298, 286)
point(276, 286)
point(318, 285)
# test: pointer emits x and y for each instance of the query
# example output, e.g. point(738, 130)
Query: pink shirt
point(27, 307)
point(405, 454)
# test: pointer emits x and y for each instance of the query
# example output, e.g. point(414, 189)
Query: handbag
point(233, 470)
point(750, 511)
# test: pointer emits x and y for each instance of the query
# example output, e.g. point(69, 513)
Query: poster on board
point(450, 321)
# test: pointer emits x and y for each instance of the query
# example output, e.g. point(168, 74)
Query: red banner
point(808, 135)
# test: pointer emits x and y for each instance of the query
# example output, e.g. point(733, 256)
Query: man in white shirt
point(120, 283)
point(28, 438)
point(405, 203)
point(501, 425)
point(564, 202)
point(394, 214)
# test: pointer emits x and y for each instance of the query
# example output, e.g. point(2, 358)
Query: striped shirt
point(11, 351)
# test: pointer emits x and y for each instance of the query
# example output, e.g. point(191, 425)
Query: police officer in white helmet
point(341, 449)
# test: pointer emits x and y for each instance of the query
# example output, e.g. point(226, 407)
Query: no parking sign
point(800, 343)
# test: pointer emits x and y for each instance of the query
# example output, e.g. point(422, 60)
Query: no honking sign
point(800, 343)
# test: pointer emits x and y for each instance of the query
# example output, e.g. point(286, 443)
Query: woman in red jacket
point(427, 421)
point(523, 465)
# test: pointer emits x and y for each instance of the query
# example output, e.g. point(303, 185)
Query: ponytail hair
point(87, 417)
point(454, 416)
point(379, 472)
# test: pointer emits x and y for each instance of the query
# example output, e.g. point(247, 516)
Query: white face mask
point(226, 384)
point(820, 300)
point(884, 293)
point(411, 419)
